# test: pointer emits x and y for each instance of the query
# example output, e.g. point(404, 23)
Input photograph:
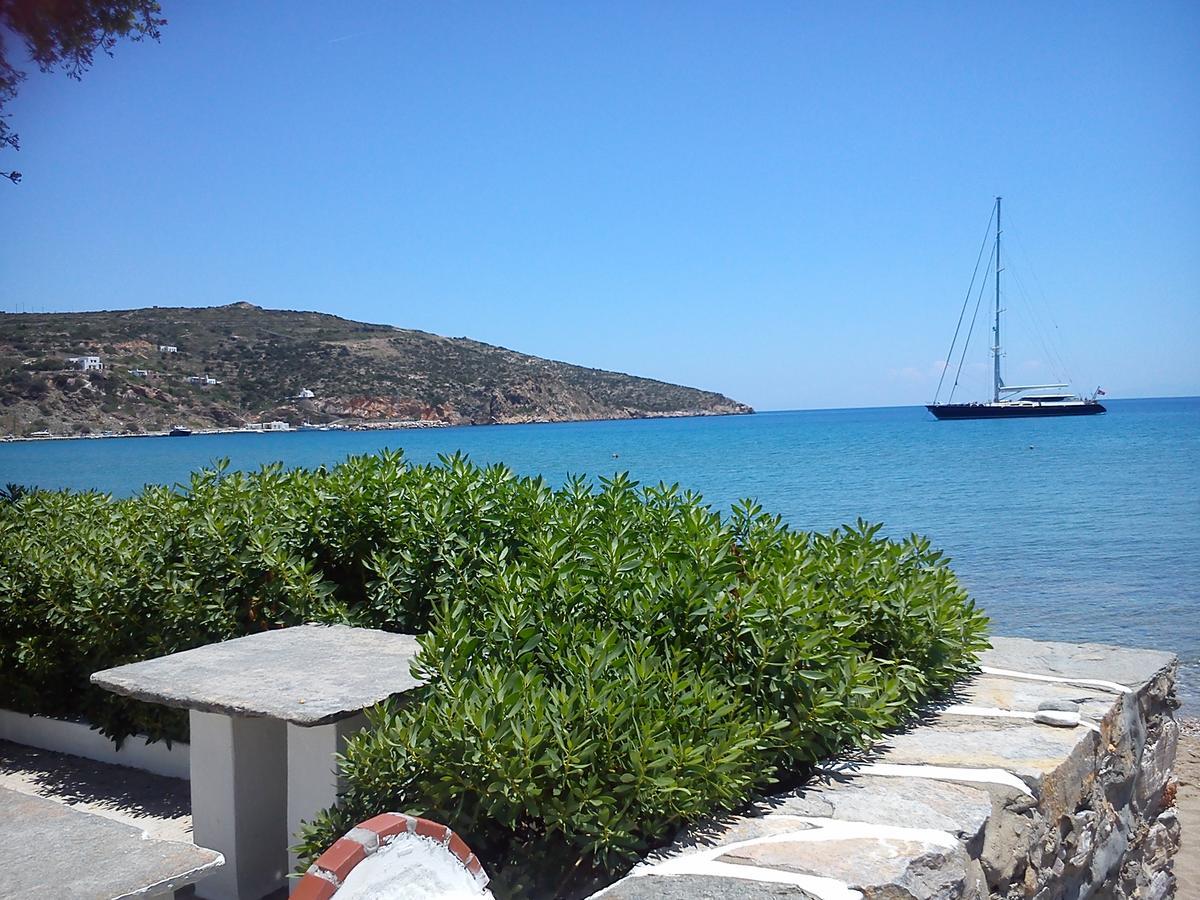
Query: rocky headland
point(146, 370)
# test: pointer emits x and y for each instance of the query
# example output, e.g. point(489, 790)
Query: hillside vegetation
point(263, 360)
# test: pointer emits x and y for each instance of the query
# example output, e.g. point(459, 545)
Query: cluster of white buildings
point(96, 364)
point(190, 379)
point(268, 426)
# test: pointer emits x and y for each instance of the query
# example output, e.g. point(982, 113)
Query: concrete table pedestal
point(313, 783)
point(239, 801)
point(268, 713)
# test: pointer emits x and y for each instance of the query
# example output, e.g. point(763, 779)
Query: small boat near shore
point(179, 431)
point(1009, 401)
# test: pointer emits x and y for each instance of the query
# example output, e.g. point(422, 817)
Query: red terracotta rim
point(326, 875)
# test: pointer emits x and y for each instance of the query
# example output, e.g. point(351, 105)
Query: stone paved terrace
point(159, 806)
point(1048, 776)
point(51, 850)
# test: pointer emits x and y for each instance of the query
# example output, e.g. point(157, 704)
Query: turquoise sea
point(1079, 529)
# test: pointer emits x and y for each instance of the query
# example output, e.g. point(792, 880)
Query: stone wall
point(1047, 776)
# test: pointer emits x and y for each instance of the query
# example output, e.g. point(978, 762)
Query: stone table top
point(48, 849)
point(308, 675)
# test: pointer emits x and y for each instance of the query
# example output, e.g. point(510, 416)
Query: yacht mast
point(996, 347)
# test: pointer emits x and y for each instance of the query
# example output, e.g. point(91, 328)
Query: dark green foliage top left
point(66, 34)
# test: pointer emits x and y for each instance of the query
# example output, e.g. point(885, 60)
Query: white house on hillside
point(87, 363)
point(305, 394)
point(167, 348)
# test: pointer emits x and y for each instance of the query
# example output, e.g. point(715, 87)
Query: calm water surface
point(1063, 529)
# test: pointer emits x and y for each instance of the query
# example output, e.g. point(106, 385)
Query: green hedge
point(605, 662)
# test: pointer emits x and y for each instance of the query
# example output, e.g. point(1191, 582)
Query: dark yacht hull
point(981, 411)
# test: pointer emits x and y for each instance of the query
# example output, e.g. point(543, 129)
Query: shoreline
point(394, 425)
point(196, 432)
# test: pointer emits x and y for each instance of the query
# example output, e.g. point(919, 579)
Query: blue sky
point(782, 202)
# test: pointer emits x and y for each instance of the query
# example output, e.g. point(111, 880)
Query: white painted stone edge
point(1052, 717)
point(934, 773)
point(78, 739)
point(166, 889)
point(704, 861)
point(1057, 679)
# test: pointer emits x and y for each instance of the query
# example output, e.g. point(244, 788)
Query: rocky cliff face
point(233, 364)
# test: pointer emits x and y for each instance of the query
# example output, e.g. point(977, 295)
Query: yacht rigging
point(1008, 401)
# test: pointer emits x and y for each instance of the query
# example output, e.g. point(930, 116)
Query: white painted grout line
point(1067, 719)
point(823, 888)
point(1030, 676)
point(829, 829)
point(965, 709)
point(936, 773)
point(705, 862)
